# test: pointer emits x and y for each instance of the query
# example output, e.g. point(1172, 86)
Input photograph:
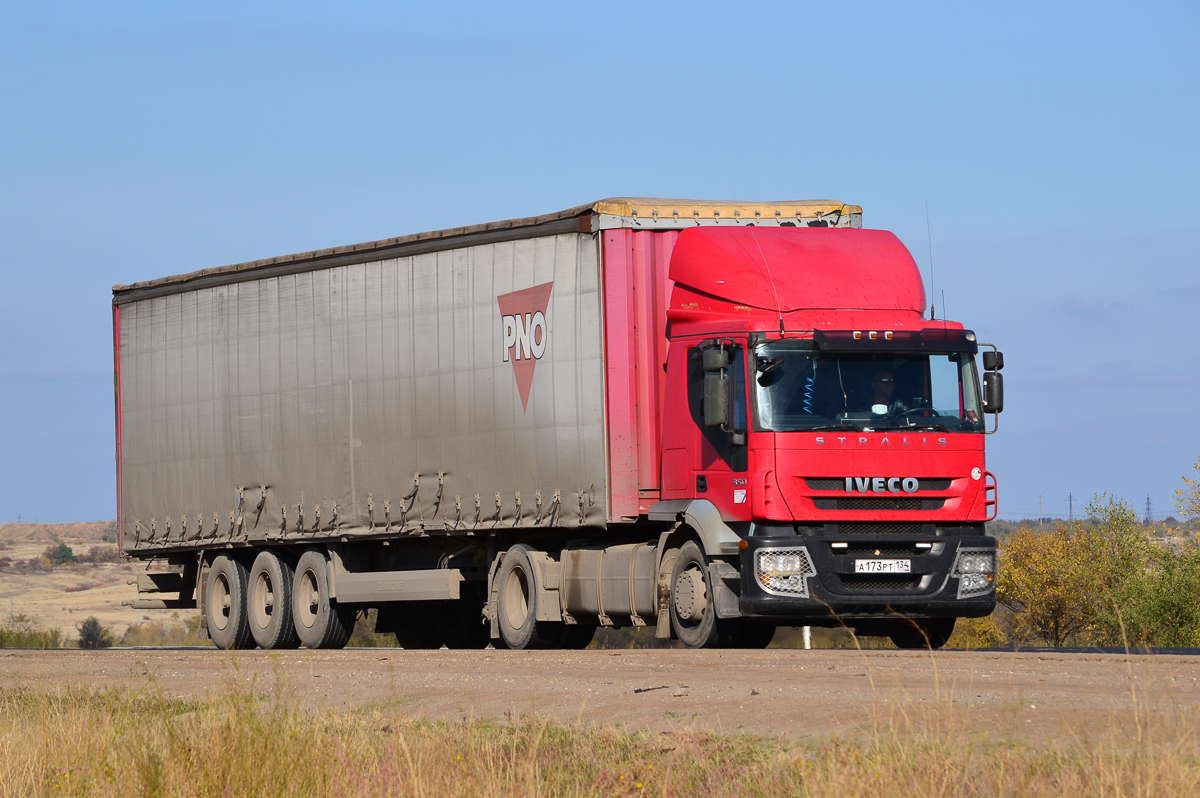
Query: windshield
point(803, 389)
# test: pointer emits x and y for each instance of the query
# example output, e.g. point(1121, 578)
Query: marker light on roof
point(888, 335)
point(873, 335)
point(857, 335)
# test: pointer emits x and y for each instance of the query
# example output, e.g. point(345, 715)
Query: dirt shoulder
point(1043, 697)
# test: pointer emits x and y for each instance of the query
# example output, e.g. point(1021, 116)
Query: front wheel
point(693, 606)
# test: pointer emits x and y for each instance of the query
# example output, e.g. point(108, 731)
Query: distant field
point(60, 596)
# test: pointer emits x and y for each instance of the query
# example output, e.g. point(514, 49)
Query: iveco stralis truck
point(708, 418)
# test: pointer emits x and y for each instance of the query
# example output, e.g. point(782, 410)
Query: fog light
point(974, 582)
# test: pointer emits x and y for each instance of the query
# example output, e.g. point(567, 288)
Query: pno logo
point(524, 333)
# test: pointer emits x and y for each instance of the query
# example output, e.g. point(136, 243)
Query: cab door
point(706, 462)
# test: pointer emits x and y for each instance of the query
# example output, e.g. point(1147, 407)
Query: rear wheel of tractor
point(516, 602)
point(319, 620)
point(693, 611)
point(927, 634)
point(270, 602)
point(225, 604)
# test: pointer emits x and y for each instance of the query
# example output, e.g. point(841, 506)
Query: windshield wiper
point(934, 427)
point(832, 428)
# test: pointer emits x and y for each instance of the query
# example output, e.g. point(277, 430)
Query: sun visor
point(934, 341)
point(786, 269)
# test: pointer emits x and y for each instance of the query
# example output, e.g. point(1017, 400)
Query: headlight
point(976, 572)
point(977, 564)
point(784, 571)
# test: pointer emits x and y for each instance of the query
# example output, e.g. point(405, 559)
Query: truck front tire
point(270, 602)
point(225, 604)
point(693, 611)
point(319, 620)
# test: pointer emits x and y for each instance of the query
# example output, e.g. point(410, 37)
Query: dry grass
point(257, 740)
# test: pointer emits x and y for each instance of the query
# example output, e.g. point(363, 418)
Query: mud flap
point(720, 575)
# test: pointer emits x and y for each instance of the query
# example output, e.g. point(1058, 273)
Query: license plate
point(882, 566)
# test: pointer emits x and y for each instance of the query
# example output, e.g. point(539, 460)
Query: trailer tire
point(269, 600)
point(516, 602)
point(225, 604)
point(693, 609)
point(319, 620)
point(926, 634)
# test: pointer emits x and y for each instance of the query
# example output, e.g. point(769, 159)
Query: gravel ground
point(1040, 697)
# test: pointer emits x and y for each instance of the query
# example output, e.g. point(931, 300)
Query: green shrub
point(93, 635)
point(60, 554)
point(22, 632)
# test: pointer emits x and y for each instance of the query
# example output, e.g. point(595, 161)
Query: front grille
point(876, 528)
point(839, 483)
point(832, 503)
point(881, 550)
point(875, 583)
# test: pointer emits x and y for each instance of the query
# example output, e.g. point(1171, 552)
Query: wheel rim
point(516, 598)
point(262, 600)
point(691, 596)
point(308, 599)
point(221, 601)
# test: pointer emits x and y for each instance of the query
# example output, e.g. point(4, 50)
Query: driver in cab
point(883, 388)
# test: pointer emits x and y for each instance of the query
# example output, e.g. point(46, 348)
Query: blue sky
point(1055, 144)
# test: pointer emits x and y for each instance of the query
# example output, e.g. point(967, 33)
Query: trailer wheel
point(270, 602)
point(319, 620)
point(928, 634)
point(693, 612)
point(225, 604)
point(516, 610)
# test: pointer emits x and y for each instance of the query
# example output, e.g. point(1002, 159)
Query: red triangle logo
point(524, 333)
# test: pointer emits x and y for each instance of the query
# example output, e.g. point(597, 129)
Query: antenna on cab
point(929, 239)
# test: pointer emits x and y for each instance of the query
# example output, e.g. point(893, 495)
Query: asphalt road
point(800, 694)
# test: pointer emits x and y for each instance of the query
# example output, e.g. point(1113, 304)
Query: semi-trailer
point(708, 418)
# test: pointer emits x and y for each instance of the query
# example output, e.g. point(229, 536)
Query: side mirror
point(993, 391)
point(716, 398)
point(993, 361)
point(717, 359)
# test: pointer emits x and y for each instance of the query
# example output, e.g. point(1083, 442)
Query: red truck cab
point(836, 429)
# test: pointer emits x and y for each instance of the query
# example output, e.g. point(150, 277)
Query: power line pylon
point(1149, 519)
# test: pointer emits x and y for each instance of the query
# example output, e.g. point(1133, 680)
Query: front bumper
point(835, 593)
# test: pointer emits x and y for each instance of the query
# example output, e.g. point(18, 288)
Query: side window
point(718, 444)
